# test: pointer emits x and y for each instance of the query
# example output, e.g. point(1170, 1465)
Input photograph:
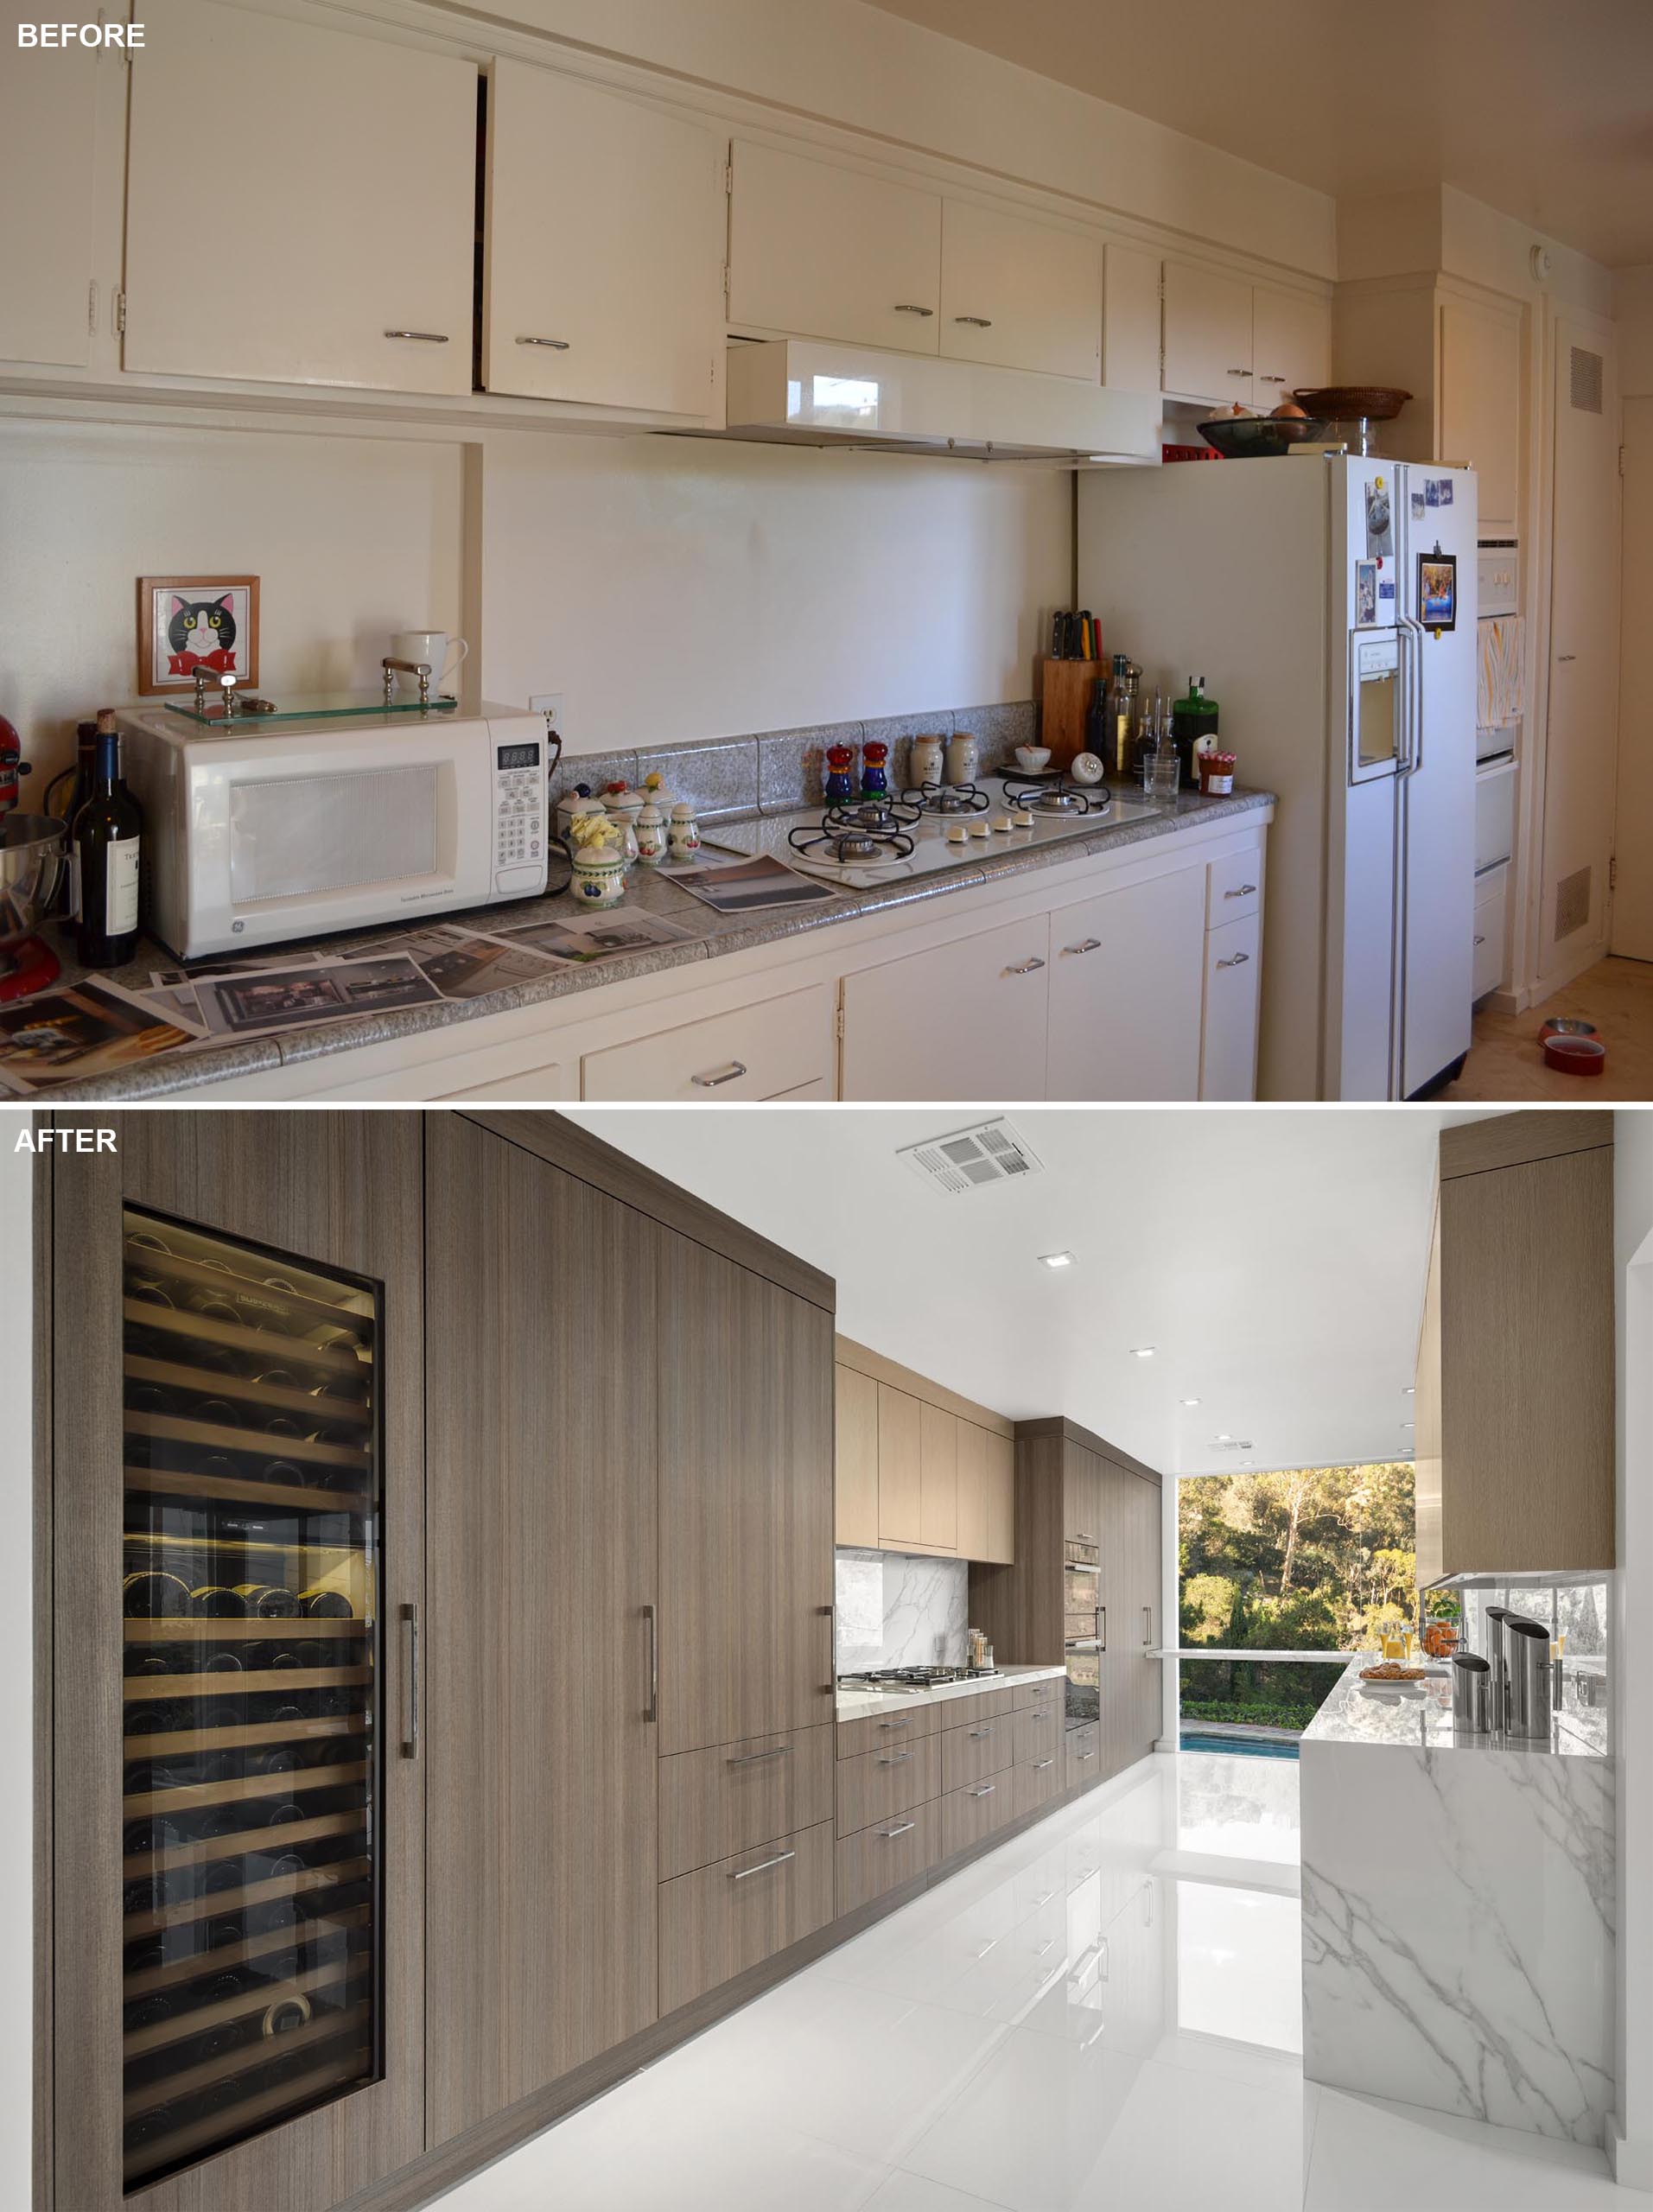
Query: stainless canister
point(1529, 1711)
point(1498, 1659)
point(1471, 1694)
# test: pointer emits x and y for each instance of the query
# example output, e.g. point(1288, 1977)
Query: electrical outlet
point(550, 704)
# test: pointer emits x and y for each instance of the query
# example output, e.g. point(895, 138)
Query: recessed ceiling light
point(1225, 1438)
point(1188, 1402)
point(1142, 1351)
point(1055, 1259)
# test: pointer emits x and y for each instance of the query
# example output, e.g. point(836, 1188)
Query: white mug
point(431, 646)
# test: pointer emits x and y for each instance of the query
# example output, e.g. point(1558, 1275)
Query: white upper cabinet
point(1478, 413)
point(1291, 344)
point(822, 252)
point(301, 204)
point(1019, 294)
point(1207, 335)
point(1130, 319)
point(49, 102)
point(605, 248)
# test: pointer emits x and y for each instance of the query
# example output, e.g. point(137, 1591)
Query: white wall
point(1633, 305)
point(1632, 2146)
point(672, 588)
point(17, 1670)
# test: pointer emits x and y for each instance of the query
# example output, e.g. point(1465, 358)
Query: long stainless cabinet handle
point(1239, 373)
point(906, 307)
point(904, 1829)
point(987, 1731)
point(1238, 961)
point(424, 337)
point(1086, 944)
point(1083, 1755)
point(986, 1790)
point(1268, 380)
point(411, 1741)
point(890, 1758)
point(556, 345)
point(654, 1619)
point(1102, 1626)
point(751, 1758)
point(895, 1723)
point(1040, 1764)
point(1245, 891)
point(1147, 1625)
point(1024, 968)
point(744, 1873)
point(979, 321)
point(713, 1077)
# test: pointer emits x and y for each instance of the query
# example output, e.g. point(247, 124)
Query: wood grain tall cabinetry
point(238, 1834)
point(919, 1469)
point(1515, 1386)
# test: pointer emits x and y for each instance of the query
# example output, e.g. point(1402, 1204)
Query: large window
point(1313, 1560)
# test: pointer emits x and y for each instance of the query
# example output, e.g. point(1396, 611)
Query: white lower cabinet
point(964, 1021)
point(1228, 1058)
point(1486, 971)
point(1125, 991)
point(769, 1049)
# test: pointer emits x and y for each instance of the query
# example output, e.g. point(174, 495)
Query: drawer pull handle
point(556, 345)
point(751, 1758)
point(713, 1077)
point(1046, 1945)
point(979, 321)
point(1040, 1766)
point(902, 1828)
point(763, 1866)
point(424, 337)
point(1480, 940)
point(892, 1758)
point(1083, 1755)
point(1024, 968)
point(1239, 373)
point(987, 1789)
point(1238, 961)
point(1245, 891)
point(1265, 380)
point(987, 1731)
point(906, 307)
point(895, 1723)
point(1086, 944)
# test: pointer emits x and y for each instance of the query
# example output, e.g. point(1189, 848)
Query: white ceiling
point(1273, 1258)
point(1538, 108)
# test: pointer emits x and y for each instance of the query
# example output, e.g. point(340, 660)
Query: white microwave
point(254, 835)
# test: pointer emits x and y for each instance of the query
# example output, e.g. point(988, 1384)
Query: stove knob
point(1002, 822)
point(957, 834)
point(978, 826)
point(1023, 819)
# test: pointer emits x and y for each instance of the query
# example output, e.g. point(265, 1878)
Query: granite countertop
point(860, 1704)
point(709, 935)
point(1420, 1718)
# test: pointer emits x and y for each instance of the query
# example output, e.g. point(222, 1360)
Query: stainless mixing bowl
point(34, 861)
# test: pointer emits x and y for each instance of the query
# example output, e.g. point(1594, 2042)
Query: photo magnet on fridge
point(1446, 490)
point(1431, 492)
point(1380, 519)
point(1365, 593)
point(1417, 505)
point(1437, 590)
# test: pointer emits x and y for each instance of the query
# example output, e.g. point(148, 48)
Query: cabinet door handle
point(985, 1790)
point(751, 1758)
point(1267, 379)
point(1102, 1626)
point(556, 345)
point(904, 1828)
point(1040, 1766)
point(411, 1741)
point(895, 1723)
point(424, 337)
point(1480, 940)
point(1024, 968)
point(979, 321)
point(763, 1866)
point(653, 1620)
point(1238, 961)
point(891, 1758)
point(987, 1731)
point(906, 307)
point(1083, 1755)
point(713, 1077)
point(1239, 373)
point(1147, 1625)
point(1086, 944)
point(1245, 891)
point(1559, 657)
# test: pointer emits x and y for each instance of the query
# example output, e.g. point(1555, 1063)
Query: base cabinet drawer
point(715, 1802)
point(970, 1816)
point(971, 1754)
point(882, 1783)
point(1036, 1734)
point(881, 1729)
point(1035, 1781)
point(1039, 1696)
point(719, 1921)
point(1083, 1755)
point(1486, 966)
point(760, 1051)
point(967, 1712)
point(1228, 1050)
point(883, 1857)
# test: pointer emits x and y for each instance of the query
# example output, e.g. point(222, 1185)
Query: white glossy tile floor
point(1102, 2014)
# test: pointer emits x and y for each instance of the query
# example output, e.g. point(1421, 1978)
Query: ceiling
point(1274, 1258)
point(1540, 109)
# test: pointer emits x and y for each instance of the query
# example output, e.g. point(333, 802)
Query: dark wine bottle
point(142, 1839)
point(108, 833)
point(325, 1605)
point(212, 1597)
point(151, 2011)
point(151, 1595)
point(148, 1290)
point(268, 1600)
point(211, 1305)
point(221, 1662)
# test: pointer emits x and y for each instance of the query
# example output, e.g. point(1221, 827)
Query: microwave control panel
point(518, 816)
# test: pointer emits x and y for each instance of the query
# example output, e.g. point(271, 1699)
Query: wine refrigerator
point(251, 1758)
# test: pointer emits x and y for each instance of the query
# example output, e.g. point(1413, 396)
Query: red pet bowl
point(1575, 1055)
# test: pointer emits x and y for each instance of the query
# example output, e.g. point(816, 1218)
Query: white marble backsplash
point(897, 1608)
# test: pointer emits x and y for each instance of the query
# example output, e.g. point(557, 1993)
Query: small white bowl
point(1086, 768)
point(1032, 757)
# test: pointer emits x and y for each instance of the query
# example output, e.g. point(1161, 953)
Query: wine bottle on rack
point(156, 1719)
point(322, 1603)
point(212, 1599)
point(222, 1663)
point(211, 1305)
point(149, 1290)
point(150, 1398)
point(151, 1594)
point(277, 1378)
point(144, 1838)
point(218, 1413)
point(268, 1600)
point(108, 835)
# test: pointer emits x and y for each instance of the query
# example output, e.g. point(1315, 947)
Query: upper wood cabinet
point(914, 1471)
point(938, 1478)
point(1207, 334)
point(1001, 1499)
point(819, 251)
point(605, 248)
point(746, 1502)
point(1130, 319)
point(301, 204)
point(540, 1914)
point(48, 116)
point(857, 1458)
point(1020, 294)
point(975, 1516)
point(900, 1483)
point(1291, 344)
point(1518, 1342)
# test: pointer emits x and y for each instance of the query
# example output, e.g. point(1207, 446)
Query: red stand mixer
point(33, 857)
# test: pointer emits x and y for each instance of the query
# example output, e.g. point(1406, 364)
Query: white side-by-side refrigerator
point(1295, 586)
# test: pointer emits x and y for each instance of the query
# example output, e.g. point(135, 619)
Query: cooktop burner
point(1062, 796)
point(866, 831)
point(946, 798)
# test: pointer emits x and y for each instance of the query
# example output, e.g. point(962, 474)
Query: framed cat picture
point(189, 622)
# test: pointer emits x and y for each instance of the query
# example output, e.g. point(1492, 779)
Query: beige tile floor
point(1505, 1062)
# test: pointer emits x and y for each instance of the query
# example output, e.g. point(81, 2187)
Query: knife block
point(1066, 689)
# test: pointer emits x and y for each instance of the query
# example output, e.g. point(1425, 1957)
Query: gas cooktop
point(913, 1678)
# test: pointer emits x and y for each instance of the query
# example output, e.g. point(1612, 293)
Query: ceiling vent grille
point(1585, 383)
point(973, 1158)
point(1231, 1443)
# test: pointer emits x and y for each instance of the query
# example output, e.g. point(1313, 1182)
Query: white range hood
point(802, 391)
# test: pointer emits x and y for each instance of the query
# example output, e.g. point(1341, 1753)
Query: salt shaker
point(683, 834)
point(651, 835)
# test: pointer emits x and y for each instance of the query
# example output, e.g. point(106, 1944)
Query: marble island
point(1459, 1912)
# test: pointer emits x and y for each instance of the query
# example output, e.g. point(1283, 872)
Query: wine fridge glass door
point(252, 1602)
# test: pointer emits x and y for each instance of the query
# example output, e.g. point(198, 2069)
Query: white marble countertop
point(859, 1704)
point(1420, 1718)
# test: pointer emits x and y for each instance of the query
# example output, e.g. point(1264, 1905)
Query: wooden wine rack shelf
point(138, 1864)
point(324, 2028)
point(229, 1336)
point(277, 1939)
point(138, 2042)
point(192, 1490)
point(303, 1884)
point(286, 2097)
point(287, 1304)
point(257, 1732)
point(191, 1796)
point(210, 1383)
point(258, 1443)
point(215, 1628)
point(140, 1689)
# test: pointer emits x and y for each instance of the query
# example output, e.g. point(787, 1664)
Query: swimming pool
point(1248, 1747)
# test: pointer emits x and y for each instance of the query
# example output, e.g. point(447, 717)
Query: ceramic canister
point(599, 875)
point(651, 835)
point(925, 758)
point(623, 819)
point(683, 832)
point(963, 757)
